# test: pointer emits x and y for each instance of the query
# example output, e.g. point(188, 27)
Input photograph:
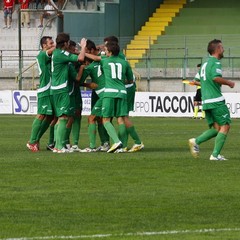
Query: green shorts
point(45, 106)
point(78, 100)
point(131, 96)
point(94, 98)
point(220, 115)
point(97, 108)
point(72, 108)
point(114, 107)
point(61, 104)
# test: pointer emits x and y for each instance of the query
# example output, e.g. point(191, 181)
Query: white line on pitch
point(127, 234)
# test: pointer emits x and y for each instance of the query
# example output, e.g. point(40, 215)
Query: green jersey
point(72, 78)
point(121, 55)
point(116, 70)
point(211, 91)
point(44, 68)
point(60, 68)
point(94, 71)
point(197, 78)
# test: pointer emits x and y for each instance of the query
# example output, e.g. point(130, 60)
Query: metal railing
point(181, 67)
point(148, 67)
point(28, 77)
point(10, 58)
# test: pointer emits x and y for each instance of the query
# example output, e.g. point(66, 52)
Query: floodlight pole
point(19, 51)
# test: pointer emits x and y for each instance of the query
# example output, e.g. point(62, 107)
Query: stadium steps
point(190, 31)
point(152, 29)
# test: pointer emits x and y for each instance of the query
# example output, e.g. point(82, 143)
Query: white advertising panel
point(6, 102)
point(25, 102)
point(86, 100)
point(175, 104)
point(147, 104)
point(163, 104)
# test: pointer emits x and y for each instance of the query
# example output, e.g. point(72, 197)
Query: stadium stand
point(169, 45)
point(9, 38)
point(153, 28)
point(30, 38)
point(189, 32)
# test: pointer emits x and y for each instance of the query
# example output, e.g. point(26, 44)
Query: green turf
point(161, 190)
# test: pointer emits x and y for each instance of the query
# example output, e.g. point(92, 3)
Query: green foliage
point(161, 189)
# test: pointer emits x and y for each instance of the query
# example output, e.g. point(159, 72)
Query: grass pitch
point(158, 193)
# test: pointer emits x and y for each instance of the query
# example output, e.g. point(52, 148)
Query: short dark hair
point(61, 39)
point(90, 45)
point(44, 40)
point(199, 65)
point(111, 39)
point(212, 46)
point(72, 43)
point(113, 47)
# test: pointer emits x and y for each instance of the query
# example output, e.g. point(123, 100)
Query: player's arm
point(93, 57)
point(90, 85)
point(223, 81)
point(80, 72)
point(195, 82)
point(83, 73)
point(82, 44)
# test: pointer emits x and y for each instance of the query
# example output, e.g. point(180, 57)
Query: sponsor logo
point(166, 104)
point(25, 102)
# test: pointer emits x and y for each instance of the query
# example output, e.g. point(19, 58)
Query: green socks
point(61, 133)
point(219, 142)
point(122, 133)
point(92, 135)
point(210, 133)
point(67, 136)
point(111, 132)
point(76, 126)
point(132, 132)
point(35, 130)
point(44, 126)
point(104, 137)
point(51, 134)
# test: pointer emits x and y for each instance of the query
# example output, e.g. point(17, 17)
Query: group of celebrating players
point(63, 70)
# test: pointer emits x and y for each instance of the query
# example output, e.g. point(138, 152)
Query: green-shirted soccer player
point(77, 115)
point(59, 85)
point(93, 69)
point(74, 120)
point(116, 71)
point(44, 109)
point(131, 89)
point(217, 113)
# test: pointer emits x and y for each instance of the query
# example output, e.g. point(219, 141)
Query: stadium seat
point(191, 29)
point(154, 28)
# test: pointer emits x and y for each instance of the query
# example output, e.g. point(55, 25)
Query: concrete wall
point(176, 85)
point(143, 85)
point(122, 19)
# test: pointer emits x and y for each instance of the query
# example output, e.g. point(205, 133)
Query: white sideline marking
point(127, 234)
